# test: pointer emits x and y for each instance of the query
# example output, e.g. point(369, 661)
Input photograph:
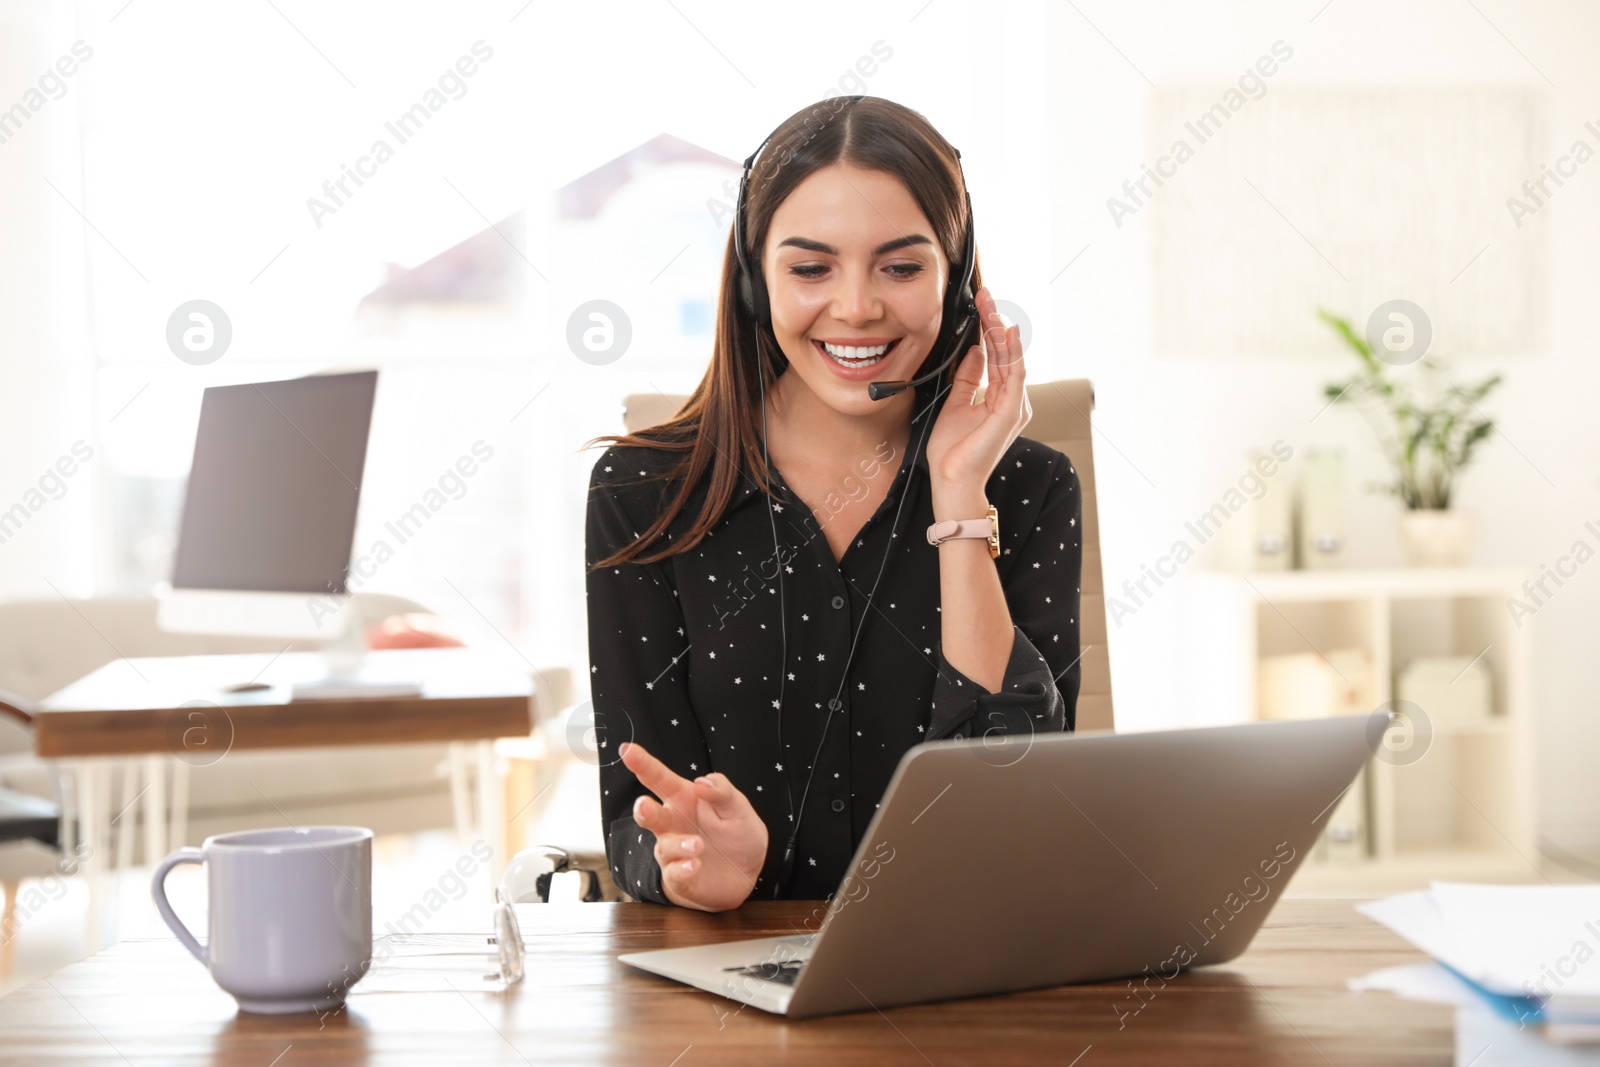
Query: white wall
point(1180, 424)
point(44, 354)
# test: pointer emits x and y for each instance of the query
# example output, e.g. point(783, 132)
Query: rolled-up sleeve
point(1042, 576)
point(638, 675)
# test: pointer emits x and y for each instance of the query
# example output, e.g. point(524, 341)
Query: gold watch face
point(994, 532)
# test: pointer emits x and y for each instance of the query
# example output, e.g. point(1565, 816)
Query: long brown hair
point(720, 422)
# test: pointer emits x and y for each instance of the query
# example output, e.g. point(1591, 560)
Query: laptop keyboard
point(784, 972)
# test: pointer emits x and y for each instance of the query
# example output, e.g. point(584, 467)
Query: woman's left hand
point(969, 438)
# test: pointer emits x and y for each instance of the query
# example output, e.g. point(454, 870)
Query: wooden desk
point(142, 706)
point(176, 712)
point(1283, 1002)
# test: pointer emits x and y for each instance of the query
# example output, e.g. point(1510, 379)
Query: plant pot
point(1436, 538)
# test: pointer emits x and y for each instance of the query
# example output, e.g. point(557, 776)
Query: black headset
point(960, 308)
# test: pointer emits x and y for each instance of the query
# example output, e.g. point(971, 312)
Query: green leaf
point(1354, 340)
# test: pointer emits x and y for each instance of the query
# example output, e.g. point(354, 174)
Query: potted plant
point(1429, 428)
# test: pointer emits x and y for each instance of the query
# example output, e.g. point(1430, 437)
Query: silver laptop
point(998, 866)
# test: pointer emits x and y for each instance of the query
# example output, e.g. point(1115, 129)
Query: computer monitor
point(270, 512)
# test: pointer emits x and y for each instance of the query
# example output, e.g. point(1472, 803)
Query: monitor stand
point(345, 655)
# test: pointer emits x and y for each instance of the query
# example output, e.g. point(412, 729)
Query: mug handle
point(158, 890)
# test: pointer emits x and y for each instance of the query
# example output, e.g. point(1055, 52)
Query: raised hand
point(969, 438)
point(710, 842)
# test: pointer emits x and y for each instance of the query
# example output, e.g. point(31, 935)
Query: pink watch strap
point(954, 528)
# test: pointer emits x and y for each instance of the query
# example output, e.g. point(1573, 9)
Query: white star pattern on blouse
point(870, 752)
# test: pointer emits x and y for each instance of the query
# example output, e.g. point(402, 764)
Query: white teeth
point(850, 355)
point(850, 352)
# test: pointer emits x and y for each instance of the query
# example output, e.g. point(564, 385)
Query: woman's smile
point(855, 276)
point(856, 359)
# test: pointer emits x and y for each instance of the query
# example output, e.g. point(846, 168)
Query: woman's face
point(856, 280)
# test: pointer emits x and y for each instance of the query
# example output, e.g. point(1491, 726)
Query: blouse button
point(838, 805)
point(838, 602)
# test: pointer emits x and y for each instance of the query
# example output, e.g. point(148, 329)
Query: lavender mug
point(290, 916)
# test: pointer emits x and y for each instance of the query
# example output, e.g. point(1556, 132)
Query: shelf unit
point(1464, 809)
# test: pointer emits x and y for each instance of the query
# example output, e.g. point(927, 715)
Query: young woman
point(770, 626)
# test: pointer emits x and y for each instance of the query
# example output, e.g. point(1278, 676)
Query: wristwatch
point(987, 527)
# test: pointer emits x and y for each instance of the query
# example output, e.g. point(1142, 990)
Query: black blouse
point(687, 658)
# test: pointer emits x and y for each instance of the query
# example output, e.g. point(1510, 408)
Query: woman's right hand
point(710, 843)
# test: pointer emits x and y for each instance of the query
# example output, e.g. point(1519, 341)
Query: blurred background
point(1166, 195)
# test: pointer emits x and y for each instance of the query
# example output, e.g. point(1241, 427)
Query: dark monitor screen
point(271, 502)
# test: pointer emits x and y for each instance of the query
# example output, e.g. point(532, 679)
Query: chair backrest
point(1061, 420)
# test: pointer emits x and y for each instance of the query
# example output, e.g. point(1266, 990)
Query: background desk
point(140, 706)
point(1283, 1002)
point(175, 712)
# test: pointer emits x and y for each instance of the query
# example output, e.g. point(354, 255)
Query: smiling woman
point(762, 651)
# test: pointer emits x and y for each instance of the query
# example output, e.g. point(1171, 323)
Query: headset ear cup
point(756, 288)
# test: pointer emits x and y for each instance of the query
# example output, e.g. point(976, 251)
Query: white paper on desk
point(1426, 982)
point(1539, 939)
point(1484, 1039)
point(1513, 940)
